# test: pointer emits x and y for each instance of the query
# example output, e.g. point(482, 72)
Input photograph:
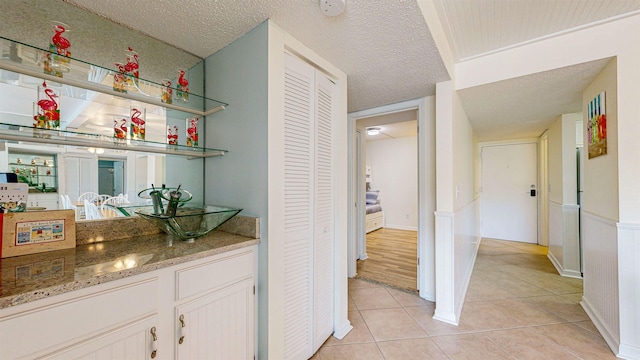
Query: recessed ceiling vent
point(332, 7)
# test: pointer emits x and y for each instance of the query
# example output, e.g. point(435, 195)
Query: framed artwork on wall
point(597, 126)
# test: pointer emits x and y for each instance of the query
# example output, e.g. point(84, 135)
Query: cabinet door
point(131, 341)
point(80, 176)
point(47, 201)
point(217, 326)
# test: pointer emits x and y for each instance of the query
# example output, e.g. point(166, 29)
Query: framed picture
point(597, 126)
point(32, 232)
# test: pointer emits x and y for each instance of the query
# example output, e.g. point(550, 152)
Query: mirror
point(99, 41)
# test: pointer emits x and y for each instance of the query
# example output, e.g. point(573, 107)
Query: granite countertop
point(31, 277)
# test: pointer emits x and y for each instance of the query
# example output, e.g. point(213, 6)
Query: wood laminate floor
point(392, 258)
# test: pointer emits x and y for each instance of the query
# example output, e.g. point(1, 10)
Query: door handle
point(533, 192)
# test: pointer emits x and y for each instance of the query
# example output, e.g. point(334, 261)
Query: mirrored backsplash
point(93, 38)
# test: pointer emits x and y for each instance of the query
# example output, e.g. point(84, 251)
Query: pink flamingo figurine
point(50, 104)
point(132, 64)
point(119, 78)
point(184, 83)
point(137, 124)
point(192, 133)
point(58, 40)
point(182, 90)
point(166, 92)
point(172, 136)
point(121, 132)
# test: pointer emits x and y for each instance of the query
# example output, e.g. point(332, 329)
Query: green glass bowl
point(190, 222)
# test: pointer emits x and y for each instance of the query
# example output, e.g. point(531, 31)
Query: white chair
point(98, 200)
point(65, 201)
point(87, 196)
point(91, 211)
point(114, 200)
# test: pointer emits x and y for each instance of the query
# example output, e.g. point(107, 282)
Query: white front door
point(509, 192)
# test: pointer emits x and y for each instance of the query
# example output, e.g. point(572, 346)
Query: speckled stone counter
point(32, 277)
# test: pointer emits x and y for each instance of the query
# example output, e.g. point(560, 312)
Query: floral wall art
point(597, 126)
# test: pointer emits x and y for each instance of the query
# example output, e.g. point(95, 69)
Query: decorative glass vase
point(120, 79)
point(138, 122)
point(192, 131)
point(120, 128)
point(172, 135)
point(46, 111)
point(182, 87)
point(131, 68)
point(167, 92)
point(57, 59)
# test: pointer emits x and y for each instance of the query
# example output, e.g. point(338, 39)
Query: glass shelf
point(30, 134)
point(26, 59)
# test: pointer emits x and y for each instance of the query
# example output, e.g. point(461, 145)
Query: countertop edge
point(30, 296)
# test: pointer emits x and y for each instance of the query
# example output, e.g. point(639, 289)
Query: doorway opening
point(425, 108)
point(111, 177)
point(389, 153)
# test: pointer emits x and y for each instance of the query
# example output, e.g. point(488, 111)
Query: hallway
point(517, 307)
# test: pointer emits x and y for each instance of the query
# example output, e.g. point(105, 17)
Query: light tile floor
point(516, 307)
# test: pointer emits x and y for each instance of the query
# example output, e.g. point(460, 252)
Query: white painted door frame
point(543, 190)
point(426, 191)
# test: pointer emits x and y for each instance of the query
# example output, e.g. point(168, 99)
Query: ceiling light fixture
point(332, 7)
point(373, 131)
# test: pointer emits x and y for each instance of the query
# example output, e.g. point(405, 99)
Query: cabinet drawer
point(68, 322)
point(214, 274)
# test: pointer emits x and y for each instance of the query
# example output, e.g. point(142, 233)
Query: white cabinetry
point(217, 326)
point(130, 341)
point(214, 317)
point(47, 201)
point(308, 208)
point(79, 175)
point(129, 318)
point(50, 327)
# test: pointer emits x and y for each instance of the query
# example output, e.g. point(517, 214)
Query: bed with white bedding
point(374, 218)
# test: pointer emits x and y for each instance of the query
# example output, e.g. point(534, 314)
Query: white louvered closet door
point(323, 251)
point(308, 209)
point(298, 208)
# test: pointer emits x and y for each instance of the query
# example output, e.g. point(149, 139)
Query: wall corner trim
point(343, 330)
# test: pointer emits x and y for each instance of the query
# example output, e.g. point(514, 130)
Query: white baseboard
point(561, 270)
point(401, 227)
point(629, 352)
point(445, 316)
point(343, 330)
point(609, 338)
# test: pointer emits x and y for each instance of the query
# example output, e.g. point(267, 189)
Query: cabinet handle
point(183, 329)
point(154, 343)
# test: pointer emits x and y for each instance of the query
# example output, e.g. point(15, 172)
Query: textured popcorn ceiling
point(93, 38)
point(519, 108)
point(384, 47)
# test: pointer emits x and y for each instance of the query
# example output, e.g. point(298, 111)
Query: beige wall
point(601, 173)
point(555, 161)
point(464, 144)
